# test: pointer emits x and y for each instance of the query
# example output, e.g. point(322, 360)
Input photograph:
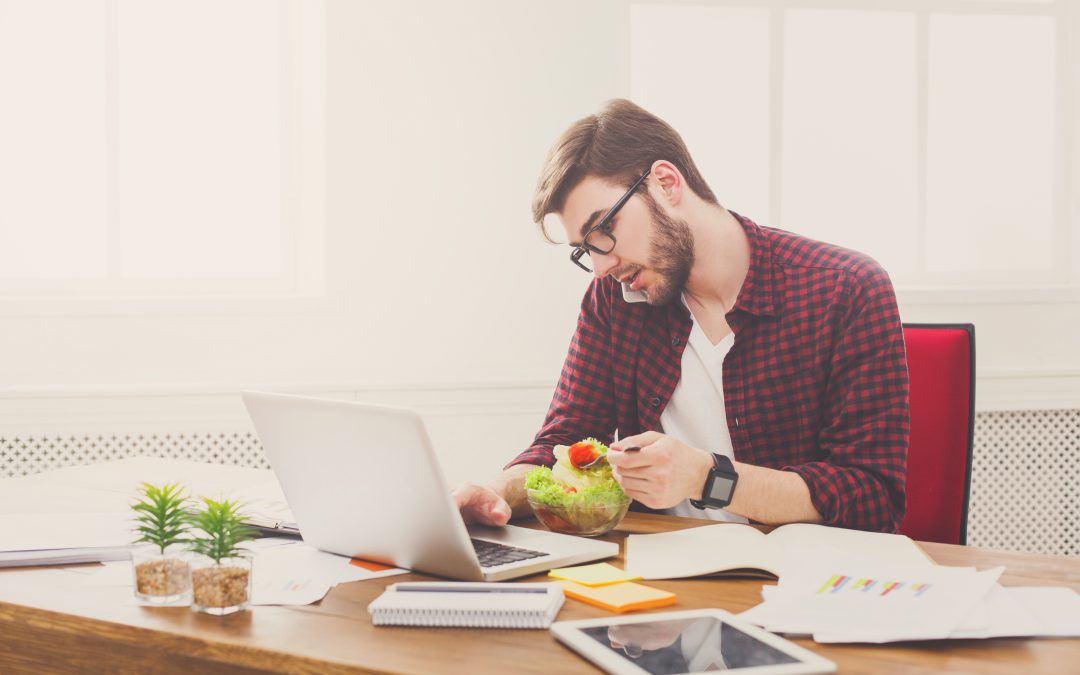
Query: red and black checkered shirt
point(816, 382)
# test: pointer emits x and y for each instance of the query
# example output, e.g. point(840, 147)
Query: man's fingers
point(634, 486)
point(485, 515)
point(640, 496)
point(497, 511)
point(633, 483)
point(461, 494)
point(639, 440)
point(482, 505)
point(630, 460)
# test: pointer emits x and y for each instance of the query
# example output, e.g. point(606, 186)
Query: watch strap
point(722, 466)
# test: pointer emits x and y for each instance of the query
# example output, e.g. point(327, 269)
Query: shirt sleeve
point(860, 482)
point(584, 403)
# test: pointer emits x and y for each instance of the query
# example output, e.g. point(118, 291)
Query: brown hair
point(619, 142)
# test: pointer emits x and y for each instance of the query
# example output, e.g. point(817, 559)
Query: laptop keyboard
point(492, 554)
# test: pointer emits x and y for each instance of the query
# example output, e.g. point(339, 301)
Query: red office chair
point(941, 367)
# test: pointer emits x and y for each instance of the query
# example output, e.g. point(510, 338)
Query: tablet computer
point(693, 641)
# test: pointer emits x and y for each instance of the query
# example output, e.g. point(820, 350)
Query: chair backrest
point(941, 368)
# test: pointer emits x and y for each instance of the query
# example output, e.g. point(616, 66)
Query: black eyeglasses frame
point(603, 225)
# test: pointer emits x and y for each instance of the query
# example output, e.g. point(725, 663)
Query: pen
point(469, 589)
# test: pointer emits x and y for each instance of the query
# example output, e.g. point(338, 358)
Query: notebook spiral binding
point(464, 619)
point(468, 605)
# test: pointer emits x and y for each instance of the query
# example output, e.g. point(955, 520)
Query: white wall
point(438, 118)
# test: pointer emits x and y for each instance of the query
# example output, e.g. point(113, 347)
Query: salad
point(578, 494)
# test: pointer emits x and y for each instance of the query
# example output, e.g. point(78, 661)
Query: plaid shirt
point(816, 382)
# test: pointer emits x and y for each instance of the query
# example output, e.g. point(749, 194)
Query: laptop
point(363, 481)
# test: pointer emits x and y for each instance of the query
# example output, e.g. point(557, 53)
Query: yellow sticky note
point(600, 574)
point(620, 597)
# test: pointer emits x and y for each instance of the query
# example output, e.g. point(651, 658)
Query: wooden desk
point(97, 629)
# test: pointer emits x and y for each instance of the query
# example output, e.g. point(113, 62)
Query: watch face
point(721, 488)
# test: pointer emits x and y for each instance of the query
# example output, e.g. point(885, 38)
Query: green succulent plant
point(223, 529)
point(162, 515)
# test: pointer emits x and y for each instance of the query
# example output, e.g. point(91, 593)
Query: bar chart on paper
point(866, 603)
point(840, 583)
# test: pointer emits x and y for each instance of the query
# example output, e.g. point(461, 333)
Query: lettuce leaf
point(548, 489)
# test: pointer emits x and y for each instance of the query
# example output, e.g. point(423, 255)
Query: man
point(761, 374)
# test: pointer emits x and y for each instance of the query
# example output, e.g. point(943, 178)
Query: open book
point(742, 549)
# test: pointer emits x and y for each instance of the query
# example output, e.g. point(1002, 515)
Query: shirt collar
point(756, 295)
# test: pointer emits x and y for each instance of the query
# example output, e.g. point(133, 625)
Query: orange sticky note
point(599, 574)
point(370, 566)
point(625, 597)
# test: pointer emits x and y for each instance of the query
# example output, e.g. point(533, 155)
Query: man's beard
point(671, 255)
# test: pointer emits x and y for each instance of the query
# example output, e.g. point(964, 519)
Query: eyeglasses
point(598, 238)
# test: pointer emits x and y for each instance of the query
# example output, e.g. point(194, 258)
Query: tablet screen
point(686, 645)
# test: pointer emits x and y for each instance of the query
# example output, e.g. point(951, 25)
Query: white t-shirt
point(696, 415)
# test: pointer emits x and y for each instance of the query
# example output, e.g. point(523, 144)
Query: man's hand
point(482, 505)
point(663, 473)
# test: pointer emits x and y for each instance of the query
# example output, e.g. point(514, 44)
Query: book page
point(725, 547)
point(798, 543)
point(699, 551)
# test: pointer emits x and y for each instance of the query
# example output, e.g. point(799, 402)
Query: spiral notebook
point(470, 604)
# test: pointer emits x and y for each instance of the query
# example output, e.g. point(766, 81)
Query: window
point(934, 135)
point(153, 148)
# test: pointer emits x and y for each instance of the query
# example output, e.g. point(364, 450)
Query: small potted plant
point(221, 577)
point(162, 573)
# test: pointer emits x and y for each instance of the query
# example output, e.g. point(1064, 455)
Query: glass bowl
point(582, 520)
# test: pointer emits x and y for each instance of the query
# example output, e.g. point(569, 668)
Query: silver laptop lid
point(363, 481)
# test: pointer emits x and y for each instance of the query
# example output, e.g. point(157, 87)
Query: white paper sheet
point(836, 603)
point(115, 573)
point(286, 572)
point(35, 531)
point(301, 574)
point(1056, 609)
point(999, 614)
point(1006, 611)
point(356, 573)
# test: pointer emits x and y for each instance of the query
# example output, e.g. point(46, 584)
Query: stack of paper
point(63, 538)
point(83, 513)
point(875, 604)
point(611, 588)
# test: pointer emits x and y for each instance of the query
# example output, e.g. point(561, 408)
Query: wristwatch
point(719, 484)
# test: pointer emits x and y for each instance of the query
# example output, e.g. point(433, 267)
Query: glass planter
point(220, 588)
point(161, 578)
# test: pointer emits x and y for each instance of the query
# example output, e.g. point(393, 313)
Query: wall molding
point(911, 297)
point(475, 427)
point(1027, 389)
point(217, 406)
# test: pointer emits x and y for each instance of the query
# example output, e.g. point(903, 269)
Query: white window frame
point(302, 285)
